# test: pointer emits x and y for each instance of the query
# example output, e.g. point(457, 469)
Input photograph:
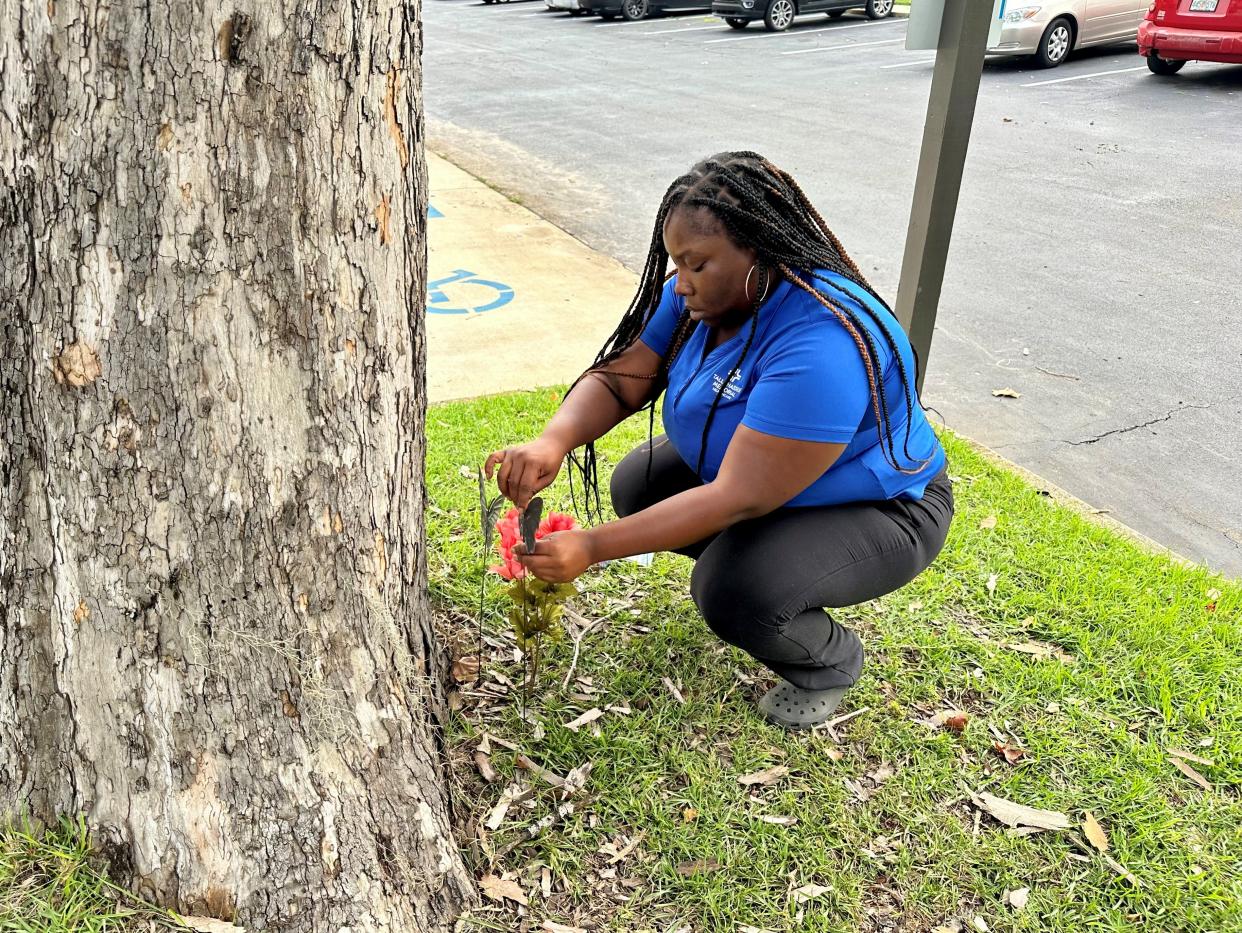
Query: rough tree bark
point(214, 635)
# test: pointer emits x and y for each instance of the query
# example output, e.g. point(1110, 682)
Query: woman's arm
point(599, 402)
point(760, 473)
point(605, 397)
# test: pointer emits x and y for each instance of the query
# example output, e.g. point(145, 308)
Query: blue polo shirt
point(802, 379)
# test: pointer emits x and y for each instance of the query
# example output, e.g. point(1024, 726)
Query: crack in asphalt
point(1135, 427)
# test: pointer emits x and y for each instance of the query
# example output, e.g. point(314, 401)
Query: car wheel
point(737, 22)
point(835, 14)
point(634, 10)
point(879, 9)
point(1163, 66)
point(1055, 45)
point(779, 15)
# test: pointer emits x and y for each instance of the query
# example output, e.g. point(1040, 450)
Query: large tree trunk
point(214, 635)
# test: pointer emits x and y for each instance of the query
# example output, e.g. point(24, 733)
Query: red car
point(1178, 31)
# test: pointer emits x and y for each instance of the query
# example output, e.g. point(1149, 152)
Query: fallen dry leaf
point(979, 924)
point(672, 688)
point(834, 754)
point(509, 796)
point(1041, 650)
point(1191, 773)
point(499, 888)
point(1122, 870)
point(1006, 393)
point(1190, 756)
point(698, 866)
point(588, 717)
point(992, 581)
point(750, 929)
point(808, 892)
point(882, 774)
point(551, 926)
point(484, 764)
point(211, 925)
point(1017, 898)
point(465, 669)
point(779, 820)
point(988, 523)
point(952, 719)
point(1011, 753)
point(620, 854)
point(1016, 814)
point(1094, 832)
point(765, 777)
point(576, 779)
point(526, 764)
point(689, 815)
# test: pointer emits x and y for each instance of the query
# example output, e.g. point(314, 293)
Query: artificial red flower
point(509, 534)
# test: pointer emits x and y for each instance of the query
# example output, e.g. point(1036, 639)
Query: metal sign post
point(962, 40)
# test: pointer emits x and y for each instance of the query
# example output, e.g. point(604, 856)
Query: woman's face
point(711, 268)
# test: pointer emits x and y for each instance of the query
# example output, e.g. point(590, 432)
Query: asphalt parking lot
point(1095, 260)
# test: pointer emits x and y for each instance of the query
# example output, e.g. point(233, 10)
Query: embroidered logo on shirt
point(734, 387)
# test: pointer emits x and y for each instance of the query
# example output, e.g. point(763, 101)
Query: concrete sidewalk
point(513, 302)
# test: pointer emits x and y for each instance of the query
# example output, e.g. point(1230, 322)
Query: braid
point(635, 320)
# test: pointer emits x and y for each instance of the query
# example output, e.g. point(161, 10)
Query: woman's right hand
point(525, 469)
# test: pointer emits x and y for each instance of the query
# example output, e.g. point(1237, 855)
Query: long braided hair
point(761, 207)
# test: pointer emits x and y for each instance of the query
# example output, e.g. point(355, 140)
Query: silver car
point(1051, 29)
point(573, 7)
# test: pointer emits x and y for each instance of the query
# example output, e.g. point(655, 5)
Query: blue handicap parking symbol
point(432, 213)
point(472, 295)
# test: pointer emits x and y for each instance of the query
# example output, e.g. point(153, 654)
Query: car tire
point(736, 22)
point(835, 14)
point(634, 10)
point(1163, 66)
point(779, 15)
point(879, 9)
point(1055, 44)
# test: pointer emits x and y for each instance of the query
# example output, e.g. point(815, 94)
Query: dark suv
point(778, 14)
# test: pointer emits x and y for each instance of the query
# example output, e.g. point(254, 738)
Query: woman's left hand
point(558, 558)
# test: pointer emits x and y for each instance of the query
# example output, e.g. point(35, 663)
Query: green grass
point(50, 883)
point(1152, 668)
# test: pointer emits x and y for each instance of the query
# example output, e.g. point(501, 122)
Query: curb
point(1073, 503)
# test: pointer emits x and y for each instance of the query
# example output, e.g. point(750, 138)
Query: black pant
point(763, 584)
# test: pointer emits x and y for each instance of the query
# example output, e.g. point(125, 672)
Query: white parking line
point(804, 32)
point(843, 45)
point(926, 61)
point(1097, 74)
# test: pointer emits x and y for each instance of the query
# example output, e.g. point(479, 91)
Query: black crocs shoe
point(795, 708)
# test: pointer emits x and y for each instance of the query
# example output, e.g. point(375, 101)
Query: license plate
point(1203, 6)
